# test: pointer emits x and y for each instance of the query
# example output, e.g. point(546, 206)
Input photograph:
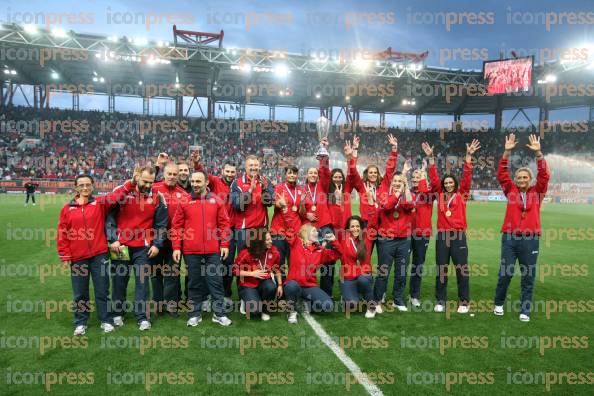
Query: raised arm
point(392, 158)
point(503, 177)
point(466, 180)
point(433, 173)
point(324, 170)
point(543, 176)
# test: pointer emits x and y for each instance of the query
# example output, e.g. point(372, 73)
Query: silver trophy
point(323, 128)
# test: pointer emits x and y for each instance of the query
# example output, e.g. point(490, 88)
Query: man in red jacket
point(251, 195)
point(201, 230)
point(140, 224)
point(221, 187)
point(521, 226)
point(165, 275)
point(82, 246)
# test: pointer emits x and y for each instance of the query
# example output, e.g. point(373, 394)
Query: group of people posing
point(218, 225)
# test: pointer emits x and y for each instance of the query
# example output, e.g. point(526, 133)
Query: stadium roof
point(118, 64)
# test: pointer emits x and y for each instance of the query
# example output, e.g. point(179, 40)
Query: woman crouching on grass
point(257, 267)
point(355, 276)
point(307, 255)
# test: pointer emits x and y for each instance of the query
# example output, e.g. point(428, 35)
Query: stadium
point(117, 106)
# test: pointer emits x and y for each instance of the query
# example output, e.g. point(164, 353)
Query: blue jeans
point(419, 246)
point(392, 251)
point(165, 281)
point(97, 268)
point(525, 250)
point(316, 298)
point(284, 249)
point(351, 289)
point(256, 298)
point(120, 274)
point(327, 269)
point(205, 272)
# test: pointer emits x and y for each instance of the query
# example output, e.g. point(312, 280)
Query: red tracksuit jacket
point(367, 210)
point(245, 262)
point(341, 211)
point(348, 255)
point(423, 211)
point(457, 202)
point(251, 210)
point(305, 259)
point(389, 204)
point(174, 197)
point(139, 220)
point(514, 222)
point(317, 194)
point(293, 197)
point(201, 226)
point(81, 228)
point(219, 187)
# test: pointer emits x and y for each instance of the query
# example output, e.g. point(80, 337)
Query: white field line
point(362, 378)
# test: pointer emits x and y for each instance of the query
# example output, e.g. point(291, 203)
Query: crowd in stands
point(73, 142)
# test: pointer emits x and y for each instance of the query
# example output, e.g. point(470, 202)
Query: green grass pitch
point(417, 352)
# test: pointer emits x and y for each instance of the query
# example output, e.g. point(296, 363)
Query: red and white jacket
point(395, 214)
point(522, 214)
point(316, 194)
point(351, 267)
point(456, 203)
point(219, 186)
point(306, 258)
point(251, 209)
point(294, 198)
point(366, 209)
point(201, 226)
point(81, 228)
point(245, 262)
point(423, 211)
point(174, 197)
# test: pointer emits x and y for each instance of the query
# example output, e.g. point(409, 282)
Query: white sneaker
point(107, 327)
point(242, 307)
point(524, 318)
point(193, 322)
point(265, 317)
point(463, 309)
point(415, 302)
point(34, 204)
point(370, 314)
point(80, 330)
point(439, 308)
point(401, 308)
point(222, 320)
point(293, 318)
point(118, 321)
point(144, 325)
point(379, 309)
point(498, 310)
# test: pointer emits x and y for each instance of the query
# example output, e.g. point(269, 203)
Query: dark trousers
point(392, 251)
point(525, 250)
point(206, 277)
point(32, 196)
point(97, 268)
point(284, 249)
point(419, 246)
point(316, 299)
point(120, 274)
point(352, 289)
point(327, 269)
point(165, 281)
point(256, 298)
point(228, 268)
point(452, 244)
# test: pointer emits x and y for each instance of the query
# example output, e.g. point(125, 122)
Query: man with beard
point(221, 187)
point(139, 223)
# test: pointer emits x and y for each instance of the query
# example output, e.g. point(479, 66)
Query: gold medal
point(523, 214)
point(448, 213)
point(414, 210)
point(313, 208)
point(396, 215)
point(294, 208)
